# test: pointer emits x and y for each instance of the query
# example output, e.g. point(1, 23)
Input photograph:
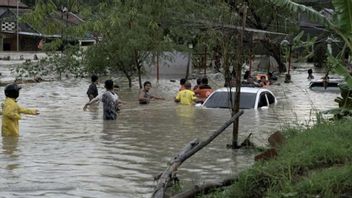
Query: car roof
point(243, 89)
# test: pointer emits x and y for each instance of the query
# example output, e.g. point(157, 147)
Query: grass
point(315, 162)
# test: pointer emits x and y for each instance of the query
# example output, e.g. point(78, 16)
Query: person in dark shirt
point(182, 84)
point(92, 91)
point(110, 101)
point(144, 94)
point(199, 82)
point(310, 74)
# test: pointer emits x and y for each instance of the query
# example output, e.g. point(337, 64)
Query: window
point(222, 100)
point(271, 98)
point(262, 100)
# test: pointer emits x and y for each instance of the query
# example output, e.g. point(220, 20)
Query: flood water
point(68, 152)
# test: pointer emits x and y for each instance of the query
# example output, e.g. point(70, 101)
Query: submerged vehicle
point(323, 83)
point(251, 98)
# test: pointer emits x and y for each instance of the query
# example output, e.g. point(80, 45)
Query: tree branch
point(188, 151)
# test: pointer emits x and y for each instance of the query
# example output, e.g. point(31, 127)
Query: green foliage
point(316, 153)
point(340, 25)
point(343, 18)
point(306, 48)
point(38, 18)
point(132, 31)
point(48, 17)
point(30, 70)
point(337, 66)
point(299, 8)
point(56, 63)
point(328, 182)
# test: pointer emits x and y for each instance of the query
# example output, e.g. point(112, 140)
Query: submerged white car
point(251, 98)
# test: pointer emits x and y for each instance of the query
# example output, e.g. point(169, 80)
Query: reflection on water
point(68, 152)
point(9, 145)
point(10, 151)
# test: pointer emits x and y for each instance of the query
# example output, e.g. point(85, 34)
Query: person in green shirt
point(186, 96)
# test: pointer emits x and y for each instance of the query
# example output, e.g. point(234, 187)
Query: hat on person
point(12, 90)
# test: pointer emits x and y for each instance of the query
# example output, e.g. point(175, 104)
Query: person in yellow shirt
point(11, 111)
point(186, 96)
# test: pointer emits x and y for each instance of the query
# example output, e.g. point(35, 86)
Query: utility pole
point(157, 66)
point(205, 61)
point(17, 28)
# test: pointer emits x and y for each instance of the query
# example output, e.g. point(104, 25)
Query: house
point(8, 21)
point(23, 37)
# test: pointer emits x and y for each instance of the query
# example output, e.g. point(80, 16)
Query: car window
point(321, 84)
point(221, 100)
point(262, 100)
point(271, 98)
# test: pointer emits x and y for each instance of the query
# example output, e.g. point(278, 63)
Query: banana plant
point(341, 25)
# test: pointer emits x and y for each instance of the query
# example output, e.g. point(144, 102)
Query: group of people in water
point(11, 110)
point(186, 95)
point(262, 80)
point(200, 92)
point(111, 101)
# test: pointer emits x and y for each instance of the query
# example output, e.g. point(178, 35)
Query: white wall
point(171, 64)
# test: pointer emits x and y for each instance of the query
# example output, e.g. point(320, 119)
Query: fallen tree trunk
point(189, 150)
point(205, 188)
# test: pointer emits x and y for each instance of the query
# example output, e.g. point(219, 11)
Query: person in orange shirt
point(11, 111)
point(203, 91)
point(264, 82)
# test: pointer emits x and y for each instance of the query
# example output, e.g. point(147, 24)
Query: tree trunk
point(277, 56)
point(188, 65)
point(139, 67)
point(139, 77)
point(206, 188)
point(189, 150)
point(274, 50)
point(129, 81)
point(238, 63)
point(129, 77)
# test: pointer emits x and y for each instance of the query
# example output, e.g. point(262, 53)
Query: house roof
point(67, 17)
point(12, 3)
point(9, 14)
point(3, 11)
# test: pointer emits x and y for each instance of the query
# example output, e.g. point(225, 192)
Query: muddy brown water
point(68, 152)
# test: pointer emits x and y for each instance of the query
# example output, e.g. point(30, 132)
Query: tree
point(130, 32)
point(261, 16)
point(140, 29)
point(46, 19)
point(340, 25)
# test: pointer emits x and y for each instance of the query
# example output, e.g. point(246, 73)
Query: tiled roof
point(12, 3)
point(67, 17)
